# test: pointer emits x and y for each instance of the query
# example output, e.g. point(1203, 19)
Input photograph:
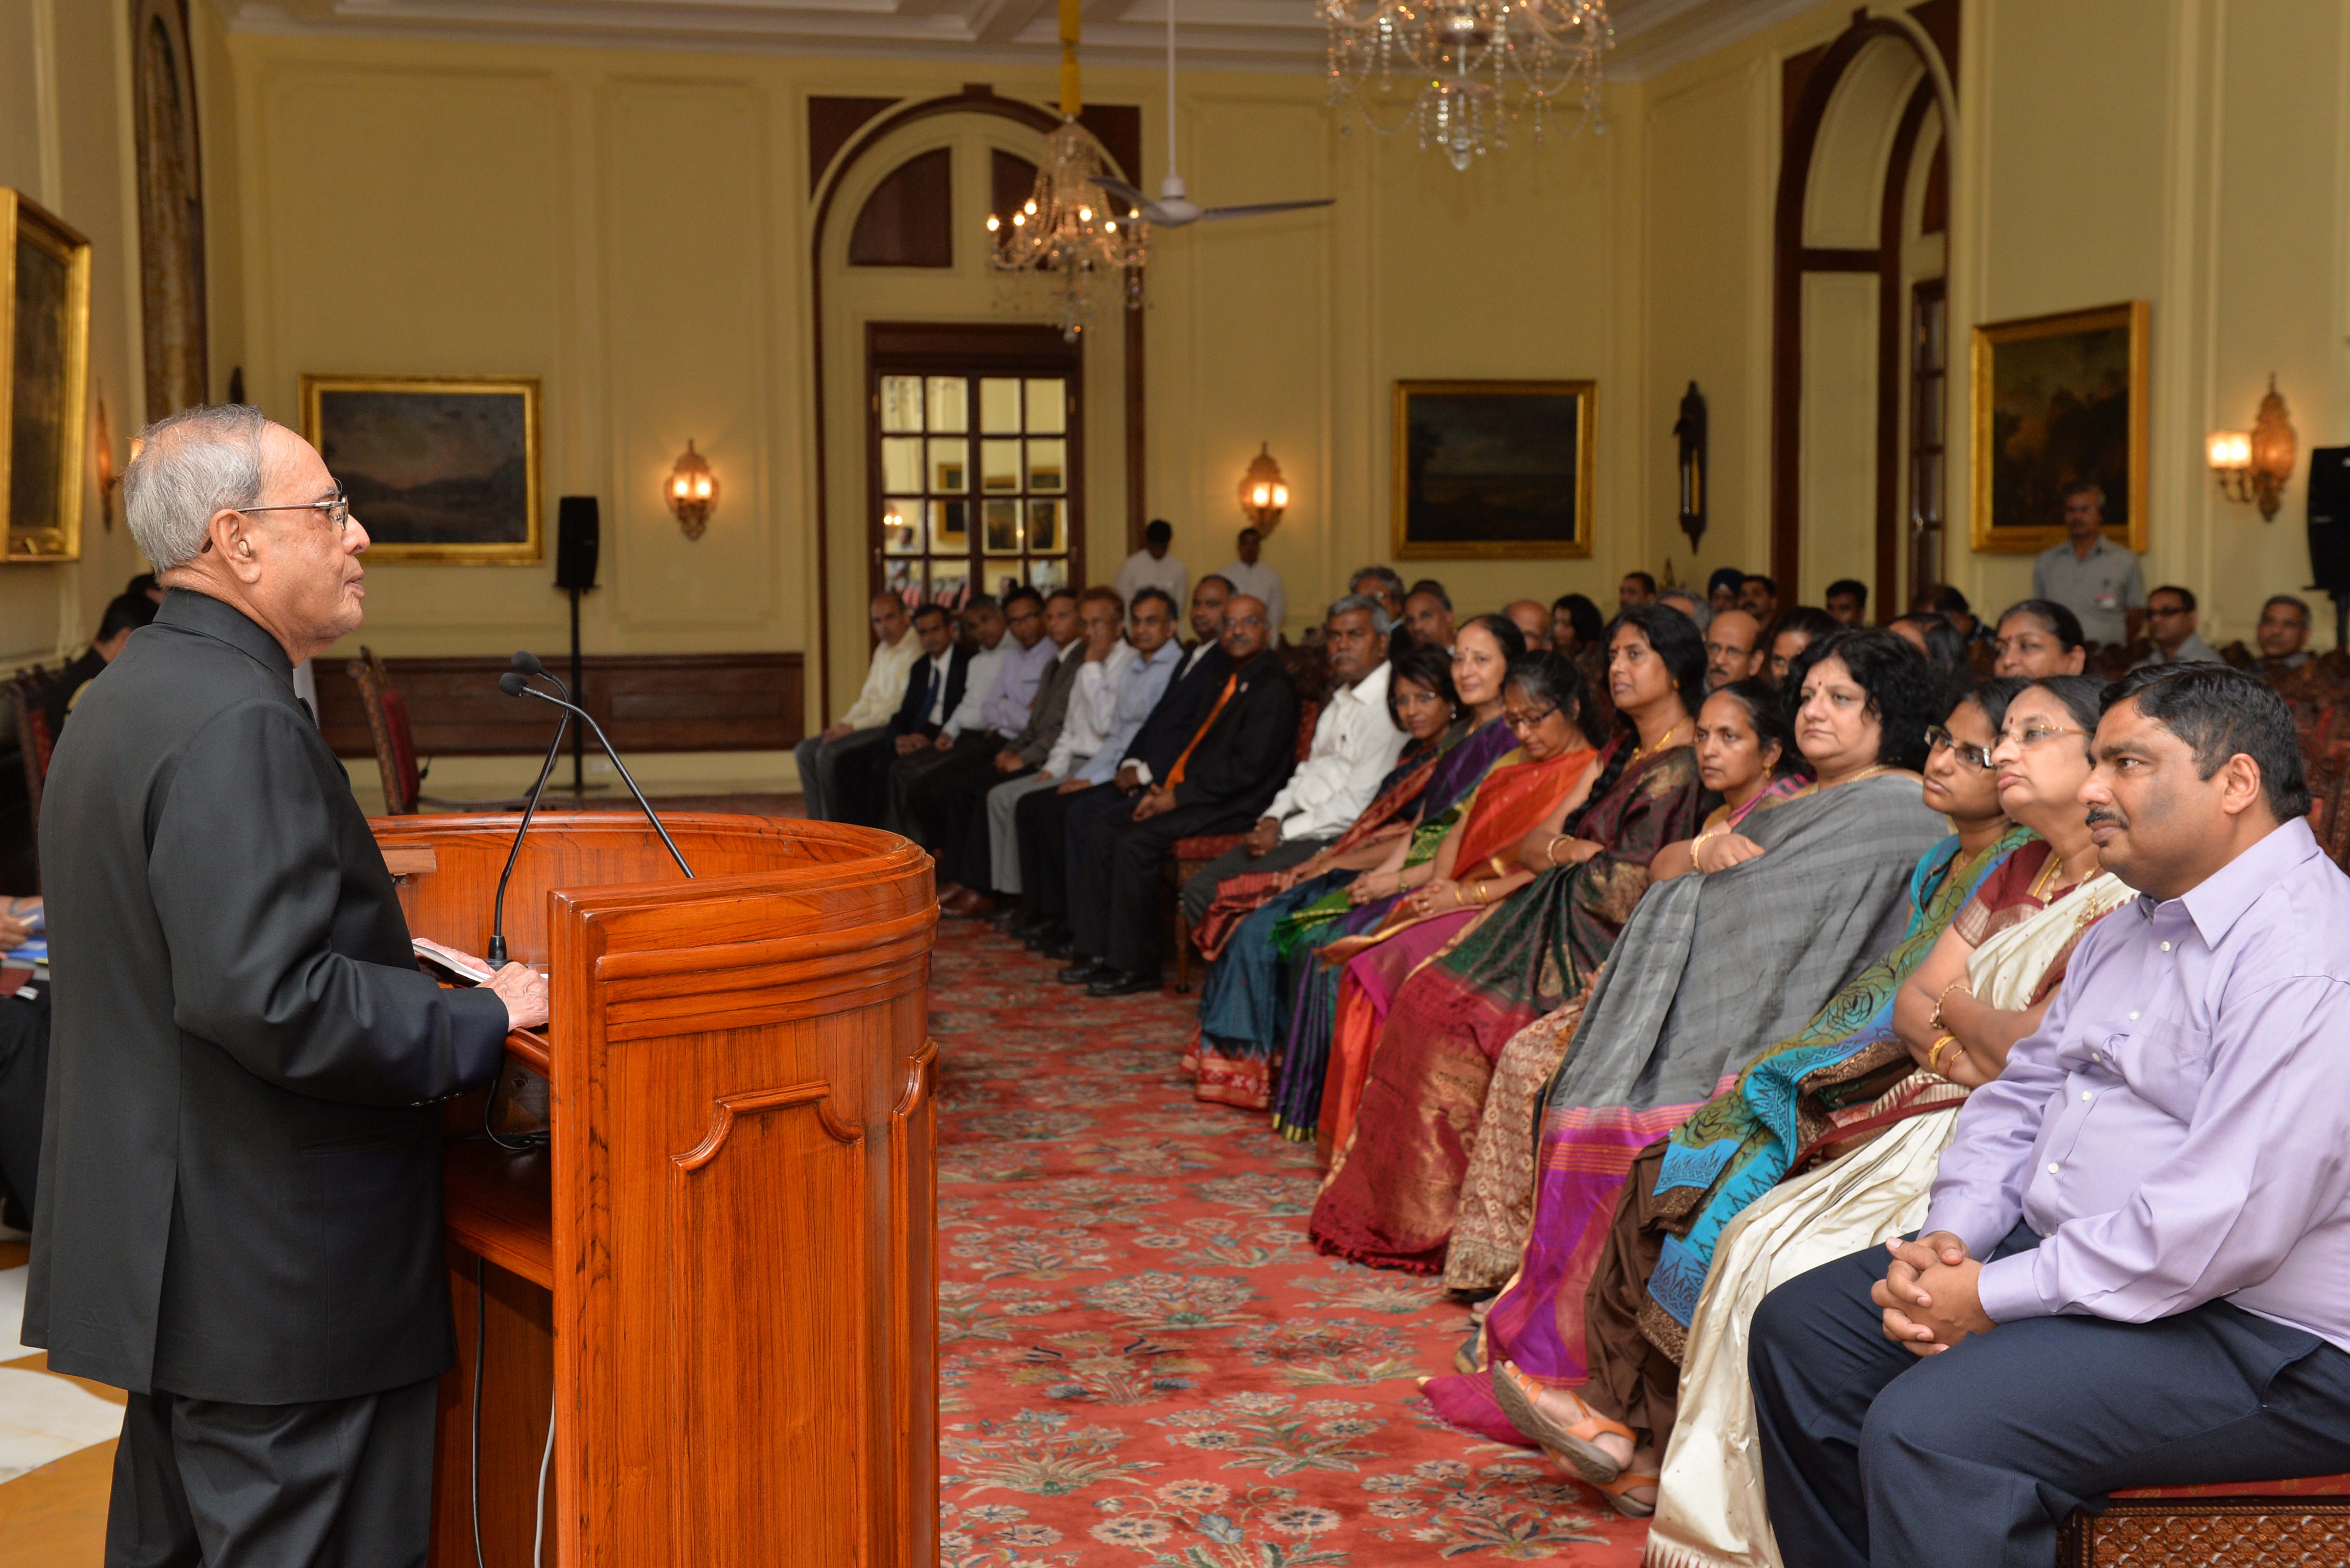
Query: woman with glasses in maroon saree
point(1529, 943)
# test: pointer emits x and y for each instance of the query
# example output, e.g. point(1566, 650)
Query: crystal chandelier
point(1478, 65)
point(1065, 234)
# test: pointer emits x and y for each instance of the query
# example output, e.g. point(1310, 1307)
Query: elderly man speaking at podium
point(240, 1217)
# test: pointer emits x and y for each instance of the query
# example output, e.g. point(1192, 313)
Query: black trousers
point(860, 783)
point(1118, 908)
point(1051, 823)
point(23, 1089)
point(915, 778)
point(967, 854)
point(1872, 1454)
point(345, 1483)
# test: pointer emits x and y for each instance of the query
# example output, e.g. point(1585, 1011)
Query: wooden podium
point(719, 1275)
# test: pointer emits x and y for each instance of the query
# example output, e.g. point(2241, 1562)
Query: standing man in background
point(1152, 567)
point(2089, 575)
point(240, 1190)
point(1260, 582)
point(895, 648)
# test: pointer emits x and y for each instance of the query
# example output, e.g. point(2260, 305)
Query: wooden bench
point(2237, 1524)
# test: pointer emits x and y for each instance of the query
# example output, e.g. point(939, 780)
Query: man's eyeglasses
point(1970, 756)
point(1524, 722)
point(338, 508)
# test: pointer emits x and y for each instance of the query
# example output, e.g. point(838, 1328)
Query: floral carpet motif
point(1144, 1363)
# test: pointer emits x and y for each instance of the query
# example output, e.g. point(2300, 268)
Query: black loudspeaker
point(2329, 520)
point(575, 532)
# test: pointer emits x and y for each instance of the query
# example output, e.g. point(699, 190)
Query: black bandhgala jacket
point(241, 1167)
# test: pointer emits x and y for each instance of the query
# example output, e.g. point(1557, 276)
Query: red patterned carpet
point(1143, 1360)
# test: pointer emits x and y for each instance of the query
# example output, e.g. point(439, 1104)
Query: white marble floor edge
point(42, 1417)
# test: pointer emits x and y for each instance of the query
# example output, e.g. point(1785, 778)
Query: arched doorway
point(1859, 327)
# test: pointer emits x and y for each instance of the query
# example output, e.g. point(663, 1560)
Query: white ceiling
point(1259, 34)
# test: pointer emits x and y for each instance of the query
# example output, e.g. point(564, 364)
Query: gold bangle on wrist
point(1936, 1021)
point(1934, 1057)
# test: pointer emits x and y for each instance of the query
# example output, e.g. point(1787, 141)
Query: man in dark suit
point(125, 614)
point(934, 690)
point(1226, 772)
point(240, 1189)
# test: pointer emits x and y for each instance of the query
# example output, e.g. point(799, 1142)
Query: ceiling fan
point(1174, 208)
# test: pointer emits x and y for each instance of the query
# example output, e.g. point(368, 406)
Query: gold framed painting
point(2059, 398)
point(441, 469)
point(1493, 469)
point(44, 395)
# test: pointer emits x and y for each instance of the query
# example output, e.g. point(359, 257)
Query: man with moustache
point(240, 1183)
point(2131, 1272)
point(1733, 648)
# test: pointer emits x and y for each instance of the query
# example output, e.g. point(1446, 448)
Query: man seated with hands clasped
point(2140, 1236)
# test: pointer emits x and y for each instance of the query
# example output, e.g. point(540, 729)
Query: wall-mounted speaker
point(577, 530)
point(2329, 520)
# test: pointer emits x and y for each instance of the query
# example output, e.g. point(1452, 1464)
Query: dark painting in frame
point(1493, 469)
point(2057, 399)
point(439, 468)
point(45, 279)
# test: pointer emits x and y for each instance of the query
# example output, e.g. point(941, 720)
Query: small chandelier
point(2254, 466)
point(1263, 492)
point(1479, 65)
point(691, 492)
point(1065, 233)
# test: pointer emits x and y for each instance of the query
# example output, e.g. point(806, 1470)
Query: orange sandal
point(1570, 1446)
point(1630, 1507)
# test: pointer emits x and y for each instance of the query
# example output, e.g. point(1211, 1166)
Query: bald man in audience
point(1532, 619)
point(1733, 648)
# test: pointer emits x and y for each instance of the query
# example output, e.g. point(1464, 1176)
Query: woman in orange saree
point(1395, 1185)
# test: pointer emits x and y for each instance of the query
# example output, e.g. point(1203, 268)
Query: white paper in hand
point(462, 965)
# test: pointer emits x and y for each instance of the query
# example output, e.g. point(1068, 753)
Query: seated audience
point(24, 1071)
point(2171, 627)
point(1746, 758)
point(999, 690)
point(1483, 649)
point(1710, 972)
point(1428, 616)
point(1733, 648)
point(2039, 638)
point(934, 691)
point(1723, 588)
point(1207, 614)
point(1847, 601)
point(1355, 740)
point(1689, 604)
point(1942, 599)
point(1248, 575)
point(1636, 588)
point(125, 613)
point(1575, 625)
point(1228, 771)
point(2283, 636)
point(1533, 623)
point(989, 869)
point(1758, 595)
point(1515, 942)
point(895, 648)
point(1156, 695)
point(1241, 1002)
point(1152, 567)
point(1945, 649)
point(1385, 585)
point(953, 811)
point(1794, 632)
point(2129, 1272)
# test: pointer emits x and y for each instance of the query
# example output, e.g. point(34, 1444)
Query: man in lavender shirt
point(2138, 1253)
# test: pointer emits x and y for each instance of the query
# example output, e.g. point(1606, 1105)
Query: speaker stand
point(579, 688)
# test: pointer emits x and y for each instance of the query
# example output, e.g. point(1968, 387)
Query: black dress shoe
point(1060, 949)
point(1123, 982)
point(1042, 940)
point(1084, 971)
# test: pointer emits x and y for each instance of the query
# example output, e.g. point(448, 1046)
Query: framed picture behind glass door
point(975, 456)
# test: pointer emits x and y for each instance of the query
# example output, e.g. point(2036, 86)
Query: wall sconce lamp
point(691, 492)
point(2254, 466)
point(1263, 492)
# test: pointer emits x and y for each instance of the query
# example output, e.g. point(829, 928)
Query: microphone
point(514, 685)
point(529, 665)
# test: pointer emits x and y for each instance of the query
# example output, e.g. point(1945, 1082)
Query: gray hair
point(1386, 577)
point(196, 462)
point(1381, 622)
point(1690, 605)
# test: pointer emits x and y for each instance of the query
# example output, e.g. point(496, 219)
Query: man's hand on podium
point(524, 991)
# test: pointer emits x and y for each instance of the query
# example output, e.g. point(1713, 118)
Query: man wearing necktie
point(1227, 773)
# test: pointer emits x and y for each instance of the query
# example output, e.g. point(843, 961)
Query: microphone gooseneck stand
point(514, 685)
point(527, 664)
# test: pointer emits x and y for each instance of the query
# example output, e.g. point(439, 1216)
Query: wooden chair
point(2234, 1525)
point(1192, 855)
point(395, 745)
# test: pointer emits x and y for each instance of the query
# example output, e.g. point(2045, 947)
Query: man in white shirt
point(1248, 576)
point(818, 756)
point(1001, 685)
point(1356, 741)
point(1152, 567)
point(1091, 713)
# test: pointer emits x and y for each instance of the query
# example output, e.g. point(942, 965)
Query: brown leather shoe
point(947, 891)
point(954, 903)
point(972, 906)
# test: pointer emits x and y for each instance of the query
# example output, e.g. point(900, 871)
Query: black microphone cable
point(527, 664)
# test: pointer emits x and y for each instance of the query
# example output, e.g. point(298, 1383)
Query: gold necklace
point(1640, 751)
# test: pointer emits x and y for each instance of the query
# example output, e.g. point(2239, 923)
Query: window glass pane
point(999, 406)
point(950, 474)
point(1929, 412)
point(998, 527)
point(904, 579)
point(1047, 406)
point(1047, 464)
point(949, 396)
point(1047, 534)
point(902, 464)
point(951, 525)
point(1046, 576)
point(949, 584)
point(999, 466)
point(901, 532)
point(901, 402)
point(1002, 578)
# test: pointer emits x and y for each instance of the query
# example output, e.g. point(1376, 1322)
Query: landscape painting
point(1493, 468)
point(44, 270)
point(441, 469)
point(2059, 398)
